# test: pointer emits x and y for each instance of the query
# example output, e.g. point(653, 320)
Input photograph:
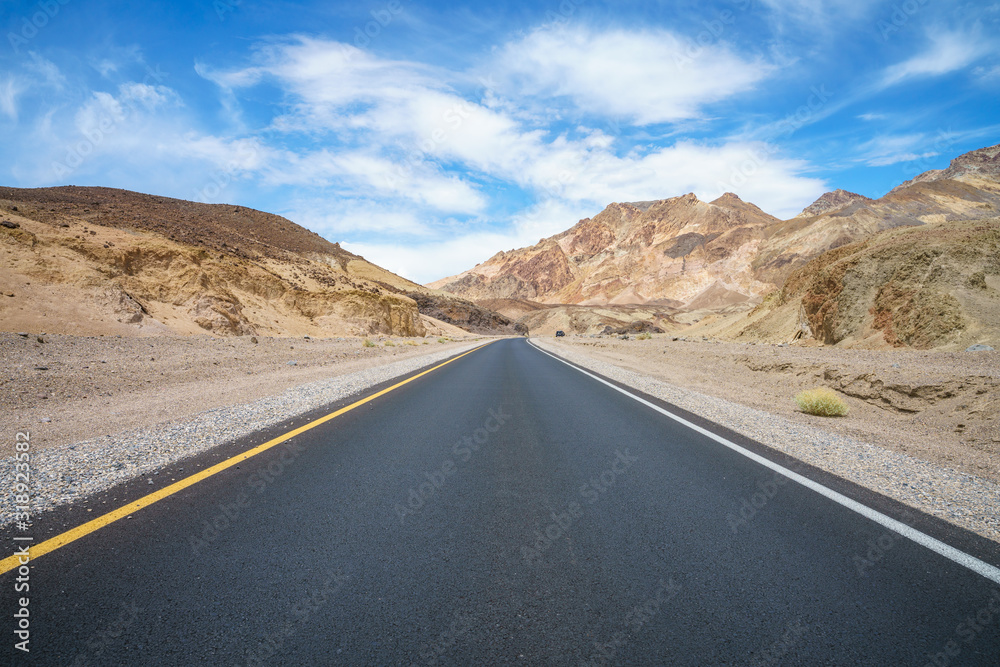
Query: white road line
point(951, 553)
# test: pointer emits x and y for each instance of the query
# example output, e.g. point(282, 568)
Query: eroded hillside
point(94, 260)
point(922, 287)
point(667, 252)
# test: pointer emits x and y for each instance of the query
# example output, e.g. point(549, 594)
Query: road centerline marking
point(951, 553)
point(84, 529)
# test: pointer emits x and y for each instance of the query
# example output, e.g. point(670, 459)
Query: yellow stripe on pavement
point(50, 545)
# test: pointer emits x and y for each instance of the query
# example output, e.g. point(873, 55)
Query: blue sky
point(427, 136)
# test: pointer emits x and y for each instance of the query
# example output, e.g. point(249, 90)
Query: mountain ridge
point(714, 257)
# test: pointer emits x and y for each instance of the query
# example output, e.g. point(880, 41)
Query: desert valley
point(122, 310)
point(443, 333)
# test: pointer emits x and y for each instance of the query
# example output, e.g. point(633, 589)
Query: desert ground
point(67, 389)
point(941, 407)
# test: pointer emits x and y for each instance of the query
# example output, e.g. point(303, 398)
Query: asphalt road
point(503, 509)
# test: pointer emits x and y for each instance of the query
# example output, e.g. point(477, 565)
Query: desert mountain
point(691, 261)
point(86, 260)
point(668, 252)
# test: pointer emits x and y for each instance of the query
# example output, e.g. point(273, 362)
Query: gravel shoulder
point(915, 457)
point(102, 410)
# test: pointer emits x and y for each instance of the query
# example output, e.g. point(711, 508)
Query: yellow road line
point(50, 545)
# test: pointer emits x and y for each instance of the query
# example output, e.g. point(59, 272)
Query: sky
point(427, 136)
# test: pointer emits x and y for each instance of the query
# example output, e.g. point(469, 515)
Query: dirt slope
point(92, 261)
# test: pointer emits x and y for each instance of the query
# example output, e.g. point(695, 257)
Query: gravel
point(68, 473)
point(963, 499)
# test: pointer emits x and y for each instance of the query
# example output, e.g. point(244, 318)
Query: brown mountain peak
point(728, 199)
point(982, 163)
point(831, 201)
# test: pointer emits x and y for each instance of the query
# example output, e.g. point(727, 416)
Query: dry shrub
point(368, 343)
point(821, 401)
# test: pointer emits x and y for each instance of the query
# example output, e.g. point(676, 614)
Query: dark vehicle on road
point(560, 333)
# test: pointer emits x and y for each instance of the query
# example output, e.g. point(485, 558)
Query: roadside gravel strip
point(965, 500)
point(68, 473)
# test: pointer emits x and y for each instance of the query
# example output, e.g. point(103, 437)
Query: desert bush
point(444, 340)
point(821, 401)
point(643, 336)
point(368, 343)
point(389, 343)
point(410, 342)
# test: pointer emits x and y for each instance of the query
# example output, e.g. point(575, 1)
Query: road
point(502, 509)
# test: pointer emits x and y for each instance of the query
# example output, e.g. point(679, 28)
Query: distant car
point(560, 333)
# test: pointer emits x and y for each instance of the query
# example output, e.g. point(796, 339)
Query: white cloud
point(339, 218)
point(872, 116)
point(396, 110)
point(947, 52)
point(422, 141)
point(650, 76)
point(393, 133)
point(988, 75)
point(108, 121)
point(36, 73)
point(448, 255)
point(362, 173)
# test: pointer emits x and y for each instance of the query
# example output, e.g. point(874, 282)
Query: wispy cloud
point(947, 51)
point(892, 149)
point(406, 133)
point(9, 91)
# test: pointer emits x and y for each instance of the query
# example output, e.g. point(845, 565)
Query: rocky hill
point(930, 286)
point(86, 260)
point(668, 252)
